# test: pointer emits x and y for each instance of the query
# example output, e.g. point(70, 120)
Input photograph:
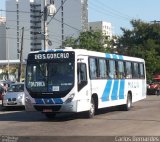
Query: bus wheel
point(50, 115)
point(91, 112)
point(128, 105)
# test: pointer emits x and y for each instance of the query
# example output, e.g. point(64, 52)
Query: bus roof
point(92, 53)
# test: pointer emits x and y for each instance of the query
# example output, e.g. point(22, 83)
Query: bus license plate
point(47, 110)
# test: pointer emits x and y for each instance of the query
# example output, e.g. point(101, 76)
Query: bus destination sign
point(50, 56)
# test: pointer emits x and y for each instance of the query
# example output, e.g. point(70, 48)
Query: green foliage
point(142, 41)
point(13, 69)
point(90, 40)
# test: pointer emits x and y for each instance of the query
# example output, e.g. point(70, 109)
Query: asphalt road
point(142, 120)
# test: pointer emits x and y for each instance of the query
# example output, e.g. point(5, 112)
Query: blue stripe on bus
point(58, 51)
point(49, 101)
point(115, 56)
point(39, 101)
point(115, 95)
point(108, 56)
point(58, 101)
point(50, 50)
point(121, 90)
point(106, 92)
point(115, 90)
point(120, 57)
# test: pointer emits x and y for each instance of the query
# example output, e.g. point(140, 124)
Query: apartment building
point(102, 26)
point(69, 21)
point(3, 49)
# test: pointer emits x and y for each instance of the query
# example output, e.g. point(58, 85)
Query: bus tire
point(50, 115)
point(128, 104)
point(91, 112)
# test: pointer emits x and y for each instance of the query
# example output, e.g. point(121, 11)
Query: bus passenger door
point(83, 85)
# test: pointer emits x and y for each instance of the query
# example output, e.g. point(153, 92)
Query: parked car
point(153, 88)
point(14, 96)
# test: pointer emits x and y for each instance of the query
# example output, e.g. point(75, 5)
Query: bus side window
point(128, 70)
point(141, 70)
point(112, 69)
point(82, 75)
point(135, 70)
point(93, 68)
point(102, 68)
point(121, 73)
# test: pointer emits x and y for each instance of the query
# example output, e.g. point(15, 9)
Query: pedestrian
point(5, 87)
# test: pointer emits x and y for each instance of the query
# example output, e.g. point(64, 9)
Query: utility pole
point(7, 40)
point(62, 21)
point(21, 57)
point(17, 4)
point(45, 26)
point(49, 10)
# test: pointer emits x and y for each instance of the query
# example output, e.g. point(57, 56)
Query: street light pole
point(7, 54)
point(8, 57)
point(21, 57)
point(49, 10)
point(62, 25)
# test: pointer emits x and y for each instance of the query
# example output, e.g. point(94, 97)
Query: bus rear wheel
point(128, 105)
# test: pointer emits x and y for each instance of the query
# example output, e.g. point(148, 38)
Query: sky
point(119, 12)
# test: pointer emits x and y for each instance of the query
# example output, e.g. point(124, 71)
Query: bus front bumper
point(74, 106)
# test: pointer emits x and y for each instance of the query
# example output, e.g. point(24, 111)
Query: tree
point(142, 41)
point(90, 40)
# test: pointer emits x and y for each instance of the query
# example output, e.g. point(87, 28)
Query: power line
point(104, 11)
point(108, 8)
point(50, 19)
point(13, 38)
point(68, 25)
point(15, 11)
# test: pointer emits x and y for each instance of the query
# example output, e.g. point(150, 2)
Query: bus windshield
point(50, 75)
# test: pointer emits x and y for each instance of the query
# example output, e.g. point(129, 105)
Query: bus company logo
point(51, 56)
point(48, 101)
point(133, 84)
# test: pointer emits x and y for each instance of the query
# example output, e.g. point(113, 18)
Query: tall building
point(3, 49)
point(71, 19)
point(102, 26)
point(35, 25)
point(17, 17)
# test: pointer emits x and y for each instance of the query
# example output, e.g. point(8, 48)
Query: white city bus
point(78, 80)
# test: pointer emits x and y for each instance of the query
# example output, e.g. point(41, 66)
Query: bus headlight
point(70, 98)
point(20, 97)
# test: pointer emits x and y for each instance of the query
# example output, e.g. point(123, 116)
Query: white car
point(14, 96)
